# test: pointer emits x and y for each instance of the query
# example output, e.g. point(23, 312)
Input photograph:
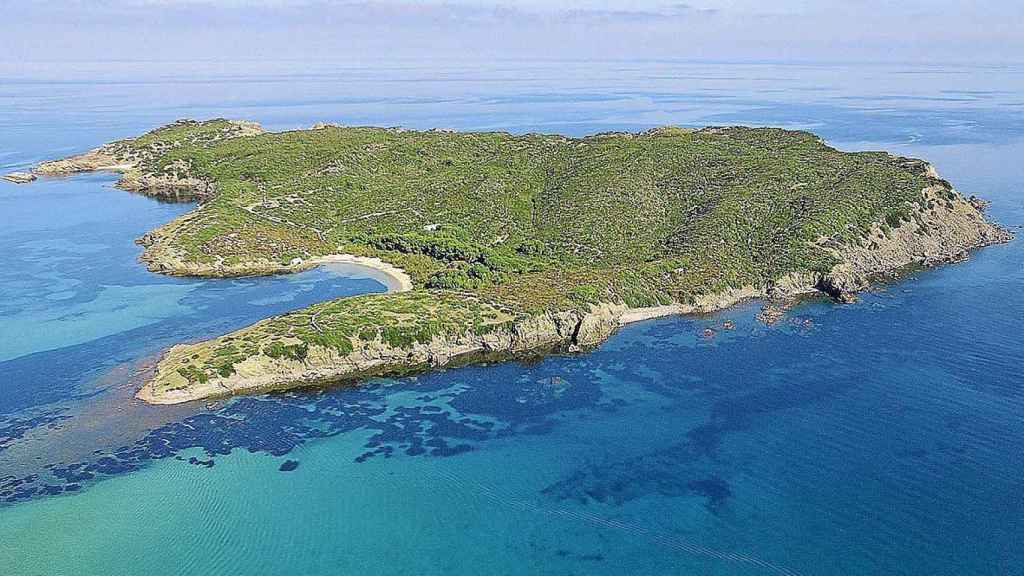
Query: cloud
point(672, 12)
point(700, 29)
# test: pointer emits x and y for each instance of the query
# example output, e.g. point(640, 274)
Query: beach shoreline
point(396, 279)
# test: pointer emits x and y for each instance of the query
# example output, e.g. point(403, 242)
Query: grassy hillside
point(708, 208)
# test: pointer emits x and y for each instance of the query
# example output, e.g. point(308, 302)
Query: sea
point(880, 437)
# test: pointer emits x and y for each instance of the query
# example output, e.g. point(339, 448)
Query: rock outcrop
point(99, 159)
point(944, 228)
point(19, 177)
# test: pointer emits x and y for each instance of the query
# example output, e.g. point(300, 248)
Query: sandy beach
point(391, 276)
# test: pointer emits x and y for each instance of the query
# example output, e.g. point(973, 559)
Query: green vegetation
point(149, 148)
point(397, 320)
point(277, 349)
point(194, 374)
point(494, 226)
point(670, 211)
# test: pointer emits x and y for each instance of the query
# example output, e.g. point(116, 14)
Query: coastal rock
point(94, 160)
point(979, 203)
point(20, 177)
point(943, 228)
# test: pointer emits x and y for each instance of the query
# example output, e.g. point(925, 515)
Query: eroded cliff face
point(943, 228)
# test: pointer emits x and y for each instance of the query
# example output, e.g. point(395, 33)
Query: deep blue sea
point(882, 437)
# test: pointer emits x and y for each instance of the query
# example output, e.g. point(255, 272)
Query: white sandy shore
point(638, 314)
point(393, 277)
point(712, 302)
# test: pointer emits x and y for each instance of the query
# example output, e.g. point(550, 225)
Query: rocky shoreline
point(19, 177)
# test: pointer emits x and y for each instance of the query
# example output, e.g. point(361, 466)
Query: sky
point(941, 31)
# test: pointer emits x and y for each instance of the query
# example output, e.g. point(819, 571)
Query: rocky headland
point(134, 159)
point(19, 177)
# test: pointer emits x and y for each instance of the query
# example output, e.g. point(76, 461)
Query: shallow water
point(879, 437)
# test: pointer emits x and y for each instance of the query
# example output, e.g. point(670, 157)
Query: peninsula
point(501, 244)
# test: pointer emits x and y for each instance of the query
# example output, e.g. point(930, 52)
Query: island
point(501, 245)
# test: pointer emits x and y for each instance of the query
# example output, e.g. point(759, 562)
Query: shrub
point(194, 374)
point(278, 349)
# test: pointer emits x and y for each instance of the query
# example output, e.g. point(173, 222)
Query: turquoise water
point(880, 437)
